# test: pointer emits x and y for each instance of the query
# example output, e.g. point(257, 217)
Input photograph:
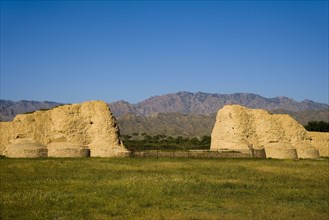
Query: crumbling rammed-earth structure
point(243, 129)
point(90, 129)
point(78, 130)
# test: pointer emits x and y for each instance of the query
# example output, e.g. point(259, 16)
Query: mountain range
point(9, 109)
point(182, 113)
point(209, 103)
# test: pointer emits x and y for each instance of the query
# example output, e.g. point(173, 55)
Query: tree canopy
point(320, 126)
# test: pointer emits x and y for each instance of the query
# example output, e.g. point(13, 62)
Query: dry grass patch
point(150, 188)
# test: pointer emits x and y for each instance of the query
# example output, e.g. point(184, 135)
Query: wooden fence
point(252, 153)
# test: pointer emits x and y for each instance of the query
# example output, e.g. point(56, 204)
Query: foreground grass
point(149, 188)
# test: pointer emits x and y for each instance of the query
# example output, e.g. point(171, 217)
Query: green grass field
point(150, 188)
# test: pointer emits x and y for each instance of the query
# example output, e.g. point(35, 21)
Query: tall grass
point(150, 188)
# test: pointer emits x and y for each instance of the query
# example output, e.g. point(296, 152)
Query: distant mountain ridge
point(209, 103)
point(9, 109)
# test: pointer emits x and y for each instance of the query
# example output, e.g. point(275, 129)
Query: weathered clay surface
point(67, 149)
point(280, 151)
point(26, 148)
point(240, 128)
point(87, 124)
point(320, 140)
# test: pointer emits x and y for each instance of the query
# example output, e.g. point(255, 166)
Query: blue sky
point(74, 51)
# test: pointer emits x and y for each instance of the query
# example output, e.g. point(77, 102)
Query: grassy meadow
point(165, 188)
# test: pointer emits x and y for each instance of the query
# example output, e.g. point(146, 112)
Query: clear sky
point(74, 51)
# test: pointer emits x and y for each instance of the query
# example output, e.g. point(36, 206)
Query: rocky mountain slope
point(9, 109)
point(170, 124)
point(208, 103)
point(303, 117)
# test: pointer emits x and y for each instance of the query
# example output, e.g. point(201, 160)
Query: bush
point(320, 126)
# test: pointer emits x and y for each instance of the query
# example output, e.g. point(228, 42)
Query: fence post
point(251, 150)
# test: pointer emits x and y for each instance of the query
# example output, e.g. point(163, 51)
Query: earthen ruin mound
point(88, 124)
point(240, 128)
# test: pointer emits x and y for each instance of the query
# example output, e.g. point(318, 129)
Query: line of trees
point(163, 142)
point(320, 126)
